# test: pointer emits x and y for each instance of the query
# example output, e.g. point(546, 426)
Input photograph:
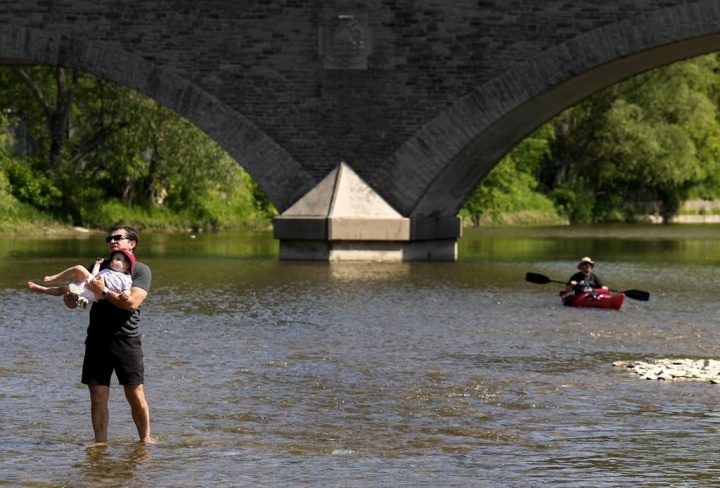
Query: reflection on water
point(262, 373)
point(107, 466)
point(697, 244)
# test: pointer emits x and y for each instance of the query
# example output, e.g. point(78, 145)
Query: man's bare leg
point(99, 410)
point(135, 395)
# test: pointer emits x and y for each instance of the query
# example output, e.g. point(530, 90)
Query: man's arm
point(130, 303)
point(572, 283)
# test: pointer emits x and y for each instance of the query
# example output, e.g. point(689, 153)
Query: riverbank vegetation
point(79, 151)
point(635, 150)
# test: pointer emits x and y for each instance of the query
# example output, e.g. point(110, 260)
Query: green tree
point(98, 151)
point(651, 138)
point(510, 188)
point(67, 116)
point(640, 146)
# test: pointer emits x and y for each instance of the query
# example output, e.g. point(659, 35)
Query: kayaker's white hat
point(586, 259)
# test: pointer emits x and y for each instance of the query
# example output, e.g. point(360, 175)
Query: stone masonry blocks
point(449, 87)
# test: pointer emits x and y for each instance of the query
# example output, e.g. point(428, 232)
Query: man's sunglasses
point(115, 238)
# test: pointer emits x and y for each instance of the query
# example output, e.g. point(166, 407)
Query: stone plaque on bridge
point(344, 42)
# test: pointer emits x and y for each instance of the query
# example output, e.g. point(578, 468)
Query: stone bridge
point(420, 98)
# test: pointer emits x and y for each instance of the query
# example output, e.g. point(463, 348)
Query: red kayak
point(599, 298)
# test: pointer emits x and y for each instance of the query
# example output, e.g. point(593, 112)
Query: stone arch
point(436, 170)
point(275, 171)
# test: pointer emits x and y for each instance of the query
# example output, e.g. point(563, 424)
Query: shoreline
point(60, 231)
point(687, 219)
point(45, 229)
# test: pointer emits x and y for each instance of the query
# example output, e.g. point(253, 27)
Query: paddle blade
point(537, 278)
point(643, 296)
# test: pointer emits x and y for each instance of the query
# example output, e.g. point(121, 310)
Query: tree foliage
point(92, 152)
point(641, 146)
point(511, 187)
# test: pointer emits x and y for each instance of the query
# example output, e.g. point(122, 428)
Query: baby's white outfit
point(114, 281)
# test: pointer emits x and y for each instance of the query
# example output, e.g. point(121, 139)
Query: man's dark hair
point(130, 232)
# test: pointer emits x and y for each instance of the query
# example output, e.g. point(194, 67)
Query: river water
point(268, 373)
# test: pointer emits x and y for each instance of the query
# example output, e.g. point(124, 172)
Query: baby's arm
point(96, 266)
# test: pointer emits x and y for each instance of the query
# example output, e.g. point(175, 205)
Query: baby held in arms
point(117, 276)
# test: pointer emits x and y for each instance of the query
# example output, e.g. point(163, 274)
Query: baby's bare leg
point(76, 273)
point(57, 291)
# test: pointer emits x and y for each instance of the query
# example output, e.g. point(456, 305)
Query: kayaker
point(584, 280)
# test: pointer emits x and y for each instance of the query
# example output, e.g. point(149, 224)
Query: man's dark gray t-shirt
point(107, 320)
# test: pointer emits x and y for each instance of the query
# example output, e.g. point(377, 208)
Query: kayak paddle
point(542, 279)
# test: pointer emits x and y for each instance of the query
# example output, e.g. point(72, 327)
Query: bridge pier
point(344, 219)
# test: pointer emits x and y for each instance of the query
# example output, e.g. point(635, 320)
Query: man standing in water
point(113, 342)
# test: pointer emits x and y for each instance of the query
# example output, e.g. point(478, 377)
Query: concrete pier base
point(439, 250)
point(344, 219)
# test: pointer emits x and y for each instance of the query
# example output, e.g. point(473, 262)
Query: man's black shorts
point(124, 355)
